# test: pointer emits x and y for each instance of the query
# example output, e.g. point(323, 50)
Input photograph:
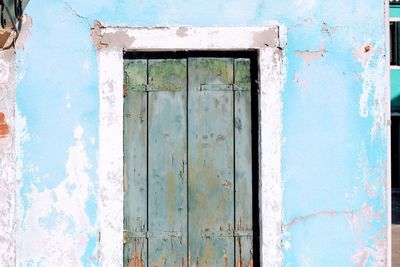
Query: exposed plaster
point(372, 59)
point(7, 159)
point(310, 56)
point(110, 42)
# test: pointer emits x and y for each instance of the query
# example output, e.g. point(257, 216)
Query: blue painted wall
point(395, 72)
point(334, 158)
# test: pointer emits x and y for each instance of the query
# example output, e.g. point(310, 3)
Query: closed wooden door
point(188, 163)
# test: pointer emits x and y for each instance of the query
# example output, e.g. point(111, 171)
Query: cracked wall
point(334, 113)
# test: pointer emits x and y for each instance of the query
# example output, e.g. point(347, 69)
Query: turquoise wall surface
point(334, 106)
point(394, 12)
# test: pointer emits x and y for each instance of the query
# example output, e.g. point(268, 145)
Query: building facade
point(323, 116)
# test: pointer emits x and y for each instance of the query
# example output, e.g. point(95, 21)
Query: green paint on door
point(188, 162)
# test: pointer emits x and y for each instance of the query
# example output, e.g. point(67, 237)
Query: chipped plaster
point(309, 56)
point(7, 159)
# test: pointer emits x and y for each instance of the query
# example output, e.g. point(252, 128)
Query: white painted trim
point(394, 67)
point(188, 38)
point(111, 42)
point(111, 157)
point(271, 83)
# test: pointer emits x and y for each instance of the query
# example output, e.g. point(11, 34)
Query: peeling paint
point(7, 158)
point(63, 229)
point(373, 82)
point(310, 56)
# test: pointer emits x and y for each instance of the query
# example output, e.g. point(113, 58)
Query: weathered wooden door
point(188, 162)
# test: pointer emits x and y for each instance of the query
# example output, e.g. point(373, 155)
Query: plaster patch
point(310, 56)
point(182, 31)
point(96, 35)
point(117, 38)
point(266, 38)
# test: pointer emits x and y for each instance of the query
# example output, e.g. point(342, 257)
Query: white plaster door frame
point(111, 42)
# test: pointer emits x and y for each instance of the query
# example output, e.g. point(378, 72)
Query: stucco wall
point(334, 125)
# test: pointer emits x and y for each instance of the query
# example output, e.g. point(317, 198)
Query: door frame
point(111, 43)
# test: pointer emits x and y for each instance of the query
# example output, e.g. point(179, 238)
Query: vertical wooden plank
point(210, 180)
point(243, 164)
point(167, 162)
point(135, 159)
